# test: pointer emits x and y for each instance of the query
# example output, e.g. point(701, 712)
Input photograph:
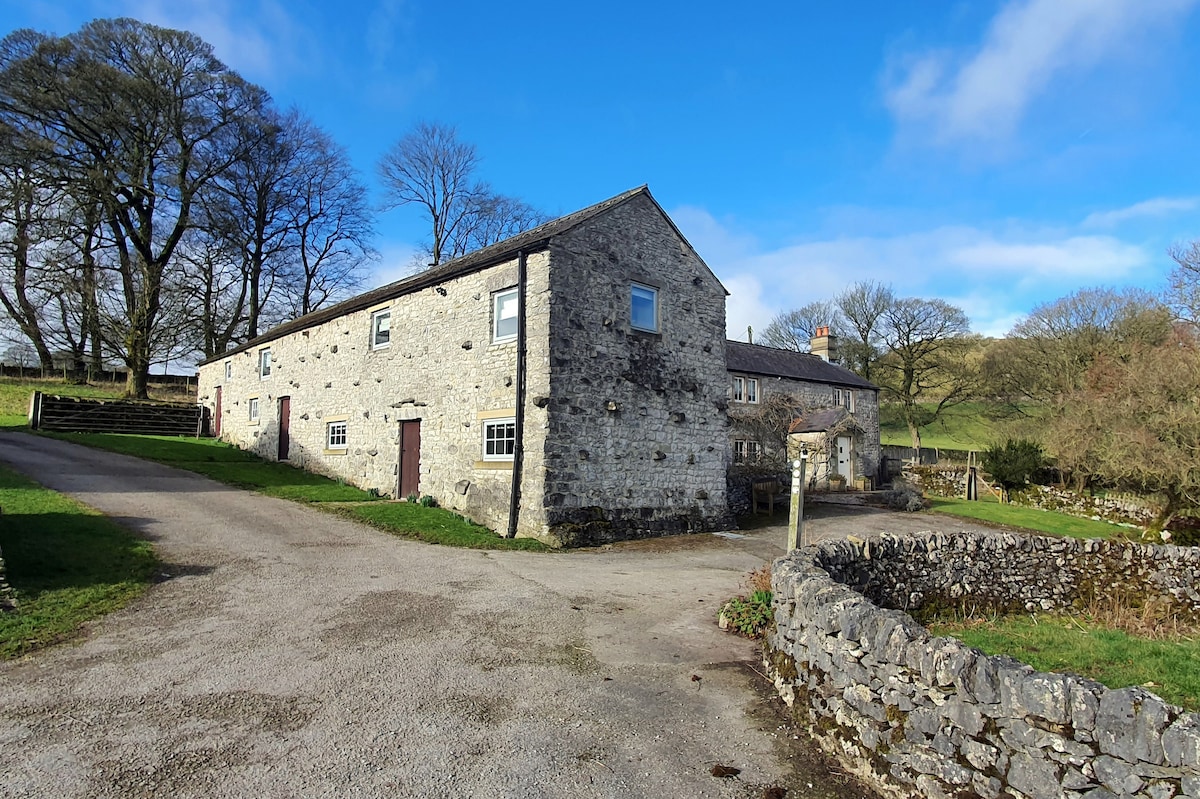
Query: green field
point(66, 563)
point(969, 426)
point(1170, 669)
point(1045, 521)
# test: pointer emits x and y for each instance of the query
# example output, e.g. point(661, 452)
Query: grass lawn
point(15, 394)
point(232, 466)
point(224, 463)
point(989, 510)
point(66, 563)
point(971, 425)
point(1170, 669)
point(436, 526)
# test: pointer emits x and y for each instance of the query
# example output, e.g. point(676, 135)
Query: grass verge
point(232, 466)
point(225, 464)
point(1115, 658)
point(436, 526)
point(67, 564)
point(1043, 521)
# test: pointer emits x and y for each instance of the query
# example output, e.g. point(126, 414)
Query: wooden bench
point(766, 491)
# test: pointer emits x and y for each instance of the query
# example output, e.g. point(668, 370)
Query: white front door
point(843, 457)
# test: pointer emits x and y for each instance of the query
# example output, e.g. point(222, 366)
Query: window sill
point(252, 423)
point(494, 465)
point(336, 451)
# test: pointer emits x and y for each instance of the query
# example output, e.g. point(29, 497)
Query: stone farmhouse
point(568, 383)
point(832, 411)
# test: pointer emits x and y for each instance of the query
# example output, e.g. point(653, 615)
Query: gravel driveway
point(290, 653)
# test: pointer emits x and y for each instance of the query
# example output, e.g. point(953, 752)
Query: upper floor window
point(745, 389)
point(643, 310)
point(228, 369)
point(381, 329)
point(264, 363)
point(844, 398)
point(504, 315)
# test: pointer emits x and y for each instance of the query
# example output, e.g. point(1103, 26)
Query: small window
point(228, 369)
point(844, 398)
point(644, 308)
point(335, 435)
point(252, 409)
point(381, 329)
point(504, 315)
point(499, 439)
point(745, 389)
point(264, 364)
point(745, 451)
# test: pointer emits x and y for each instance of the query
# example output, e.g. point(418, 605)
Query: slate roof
point(756, 359)
point(822, 421)
point(530, 240)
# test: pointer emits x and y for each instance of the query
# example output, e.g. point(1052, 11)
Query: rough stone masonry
point(913, 713)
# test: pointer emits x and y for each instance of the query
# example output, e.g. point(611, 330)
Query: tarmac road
point(291, 653)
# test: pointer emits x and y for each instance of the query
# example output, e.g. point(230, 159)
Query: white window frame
point(491, 424)
point(376, 318)
point(844, 398)
point(332, 433)
point(252, 410)
point(228, 370)
point(264, 363)
point(497, 299)
point(745, 389)
point(633, 289)
point(746, 451)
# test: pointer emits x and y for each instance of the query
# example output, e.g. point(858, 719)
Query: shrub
point(749, 616)
point(428, 501)
point(904, 496)
point(1013, 463)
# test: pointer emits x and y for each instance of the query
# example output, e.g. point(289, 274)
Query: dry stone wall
point(637, 442)
point(913, 713)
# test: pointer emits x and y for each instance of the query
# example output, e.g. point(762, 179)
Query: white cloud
point(397, 260)
point(985, 93)
point(260, 40)
point(995, 276)
point(1157, 207)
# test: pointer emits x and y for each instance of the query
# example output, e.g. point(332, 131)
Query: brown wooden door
point(285, 427)
point(410, 459)
point(216, 426)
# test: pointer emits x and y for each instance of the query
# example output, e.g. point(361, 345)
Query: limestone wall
point(637, 441)
point(914, 713)
point(440, 367)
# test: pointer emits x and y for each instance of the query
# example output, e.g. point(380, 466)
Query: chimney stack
point(824, 344)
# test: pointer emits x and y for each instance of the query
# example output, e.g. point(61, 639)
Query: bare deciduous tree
point(925, 369)
point(1184, 294)
point(432, 168)
point(862, 307)
point(794, 330)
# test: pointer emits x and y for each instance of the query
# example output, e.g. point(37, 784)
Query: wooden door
point(843, 457)
point(285, 427)
point(409, 481)
point(216, 425)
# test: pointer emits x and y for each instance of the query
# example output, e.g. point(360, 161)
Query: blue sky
point(994, 154)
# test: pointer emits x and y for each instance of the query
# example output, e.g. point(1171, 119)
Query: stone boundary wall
point(1126, 509)
point(917, 715)
point(8, 599)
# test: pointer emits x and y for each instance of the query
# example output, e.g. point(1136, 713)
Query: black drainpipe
point(514, 499)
